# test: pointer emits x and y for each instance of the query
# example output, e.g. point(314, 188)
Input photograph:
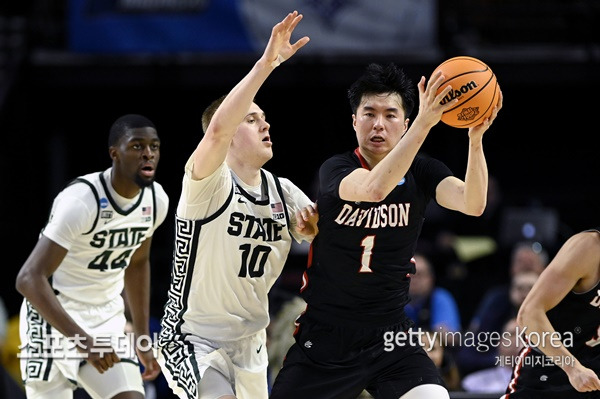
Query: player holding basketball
point(235, 223)
point(371, 207)
point(561, 319)
point(96, 242)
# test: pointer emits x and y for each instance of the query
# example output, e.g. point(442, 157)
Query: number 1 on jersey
point(365, 260)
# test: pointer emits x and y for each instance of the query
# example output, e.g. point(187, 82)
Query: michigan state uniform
point(101, 230)
point(356, 287)
point(577, 320)
point(231, 244)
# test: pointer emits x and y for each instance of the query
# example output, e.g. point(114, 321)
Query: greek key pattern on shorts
point(38, 362)
point(181, 364)
point(175, 307)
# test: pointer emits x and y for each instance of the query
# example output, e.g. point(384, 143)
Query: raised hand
point(430, 109)
point(279, 47)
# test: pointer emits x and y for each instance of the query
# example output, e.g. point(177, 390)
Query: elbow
point(478, 211)
point(377, 193)
point(376, 197)
point(523, 317)
point(23, 282)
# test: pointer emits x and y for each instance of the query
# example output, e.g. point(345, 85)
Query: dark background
point(56, 108)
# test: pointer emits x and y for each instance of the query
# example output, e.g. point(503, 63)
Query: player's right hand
point(583, 379)
point(99, 353)
point(431, 108)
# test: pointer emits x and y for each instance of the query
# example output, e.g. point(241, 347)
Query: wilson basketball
point(475, 86)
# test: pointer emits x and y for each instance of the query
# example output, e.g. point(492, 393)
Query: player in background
point(95, 244)
point(560, 320)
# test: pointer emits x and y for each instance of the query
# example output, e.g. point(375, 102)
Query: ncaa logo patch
point(103, 202)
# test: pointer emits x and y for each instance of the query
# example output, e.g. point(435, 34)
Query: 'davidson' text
point(384, 215)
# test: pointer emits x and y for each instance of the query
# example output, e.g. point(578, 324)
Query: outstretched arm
point(212, 149)
point(575, 267)
point(137, 293)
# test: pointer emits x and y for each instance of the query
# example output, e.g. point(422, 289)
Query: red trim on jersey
point(517, 372)
point(304, 281)
point(308, 265)
point(296, 321)
point(362, 160)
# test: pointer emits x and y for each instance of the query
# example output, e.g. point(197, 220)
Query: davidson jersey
point(358, 271)
point(578, 316)
point(101, 230)
point(231, 243)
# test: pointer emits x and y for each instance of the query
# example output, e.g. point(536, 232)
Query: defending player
point(234, 228)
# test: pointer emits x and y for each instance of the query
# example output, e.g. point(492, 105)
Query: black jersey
point(359, 263)
point(577, 316)
point(577, 319)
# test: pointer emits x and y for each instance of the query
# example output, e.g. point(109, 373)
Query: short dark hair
point(378, 79)
point(210, 111)
point(125, 123)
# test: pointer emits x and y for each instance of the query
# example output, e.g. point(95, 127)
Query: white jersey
point(231, 244)
point(101, 230)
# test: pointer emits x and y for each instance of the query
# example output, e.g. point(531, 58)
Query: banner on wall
point(242, 26)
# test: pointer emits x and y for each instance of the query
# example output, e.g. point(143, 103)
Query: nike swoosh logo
point(241, 200)
point(259, 348)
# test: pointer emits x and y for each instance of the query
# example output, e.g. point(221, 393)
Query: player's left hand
point(478, 130)
point(306, 221)
point(151, 366)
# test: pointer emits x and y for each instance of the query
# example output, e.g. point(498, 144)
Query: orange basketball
point(475, 86)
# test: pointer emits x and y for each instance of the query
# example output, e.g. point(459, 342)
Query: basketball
point(475, 86)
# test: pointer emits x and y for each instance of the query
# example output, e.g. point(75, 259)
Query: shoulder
point(582, 249)
point(287, 184)
point(82, 190)
point(162, 197)
point(585, 244)
point(340, 162)
point(294, 196)
point(347, 156)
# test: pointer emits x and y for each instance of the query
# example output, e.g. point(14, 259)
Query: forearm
point(214, 146)
point(235, 106)
point(387, 173)
point(137, 291)
point(476, 179)
point(541, 334)
point(40, 294)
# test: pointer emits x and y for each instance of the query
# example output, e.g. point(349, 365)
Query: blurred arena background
point(69, 68)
